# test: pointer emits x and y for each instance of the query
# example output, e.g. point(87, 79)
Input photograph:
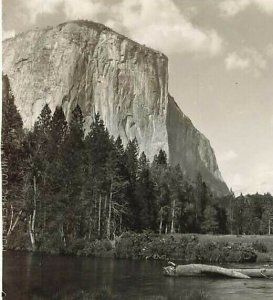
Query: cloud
point(37, 7)
point(6, 34)
point(263, 179)
point(156, 23)
point(234, 61)
point(230, 8)
point(79, 9)
point(83, 9)
point(269, 50)
point(227, 156)
point(235, 182)
point(160, 24)
point(259, 179)
point(246, 59)
point(264, 5)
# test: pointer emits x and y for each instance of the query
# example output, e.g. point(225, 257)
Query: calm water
point(28, 276)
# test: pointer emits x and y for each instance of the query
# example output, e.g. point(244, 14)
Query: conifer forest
point(65, 185)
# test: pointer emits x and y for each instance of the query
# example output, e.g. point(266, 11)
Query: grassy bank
point(188, 248)
point(264, 239)
point(263, 244)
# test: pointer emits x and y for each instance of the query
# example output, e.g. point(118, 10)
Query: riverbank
point(187, 248)
point(193, 248)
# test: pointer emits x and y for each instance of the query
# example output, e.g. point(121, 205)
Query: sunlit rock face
point(88, 64)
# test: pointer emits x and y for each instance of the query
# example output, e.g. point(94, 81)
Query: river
point(37, 276)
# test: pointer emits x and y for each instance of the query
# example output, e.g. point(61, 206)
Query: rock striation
point(86, 63)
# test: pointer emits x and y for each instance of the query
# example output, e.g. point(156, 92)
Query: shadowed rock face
point(191, 149)
point(88, 64)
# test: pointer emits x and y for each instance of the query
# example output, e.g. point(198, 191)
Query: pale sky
point(220, 67)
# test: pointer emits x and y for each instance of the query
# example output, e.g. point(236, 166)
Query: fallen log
point(205, 270)
point(257, 273)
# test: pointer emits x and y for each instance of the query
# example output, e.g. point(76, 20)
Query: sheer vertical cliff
point(191, 149)
point(88, 64)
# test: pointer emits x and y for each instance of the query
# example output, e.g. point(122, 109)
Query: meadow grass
point(203, 238)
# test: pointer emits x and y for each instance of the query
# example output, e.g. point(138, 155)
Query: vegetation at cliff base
point(66, 187)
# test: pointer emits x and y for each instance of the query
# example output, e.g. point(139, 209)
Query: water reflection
point(28, 276)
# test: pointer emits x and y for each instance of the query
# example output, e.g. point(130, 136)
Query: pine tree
point(98, 147)
point(265, 223)
point(57, 197)
point(131, 164)
point(201, 200)
point(98, 143)
point(159, 170)
point(222, 218)
point(74, 168)
point(238, 214)
point(230, 199)
point(121, 209)
point(13, 168)
point(146, 209)
point(37, 179)
point(116, 188)
point(131, 159)
point(58, 131)
point(210, 223)
point(161, 158)
point(176, 195)
point(118, 145)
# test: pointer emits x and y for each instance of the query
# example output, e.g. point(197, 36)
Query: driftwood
point(204, 270)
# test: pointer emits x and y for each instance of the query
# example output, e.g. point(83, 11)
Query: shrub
point(75, 246)
point(259, 246)
point(263, 257)
point(187, 249)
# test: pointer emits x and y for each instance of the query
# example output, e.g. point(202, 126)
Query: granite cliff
point(86, 63)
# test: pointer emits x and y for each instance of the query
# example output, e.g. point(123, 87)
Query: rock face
point(88, 64)
point(191, 149)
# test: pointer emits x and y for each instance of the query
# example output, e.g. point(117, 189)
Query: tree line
point(249, 214)
point(65, 184)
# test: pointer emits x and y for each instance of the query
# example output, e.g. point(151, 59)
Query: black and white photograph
point(137, 149)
